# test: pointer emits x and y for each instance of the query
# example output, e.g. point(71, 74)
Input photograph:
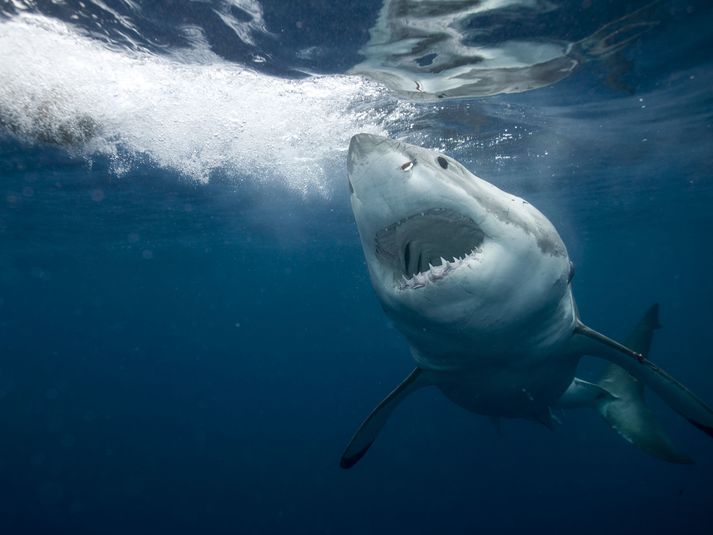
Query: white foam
point(193, 113)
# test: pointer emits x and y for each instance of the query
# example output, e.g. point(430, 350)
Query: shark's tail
point(619, 398)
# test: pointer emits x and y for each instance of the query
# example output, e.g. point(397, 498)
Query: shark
point(479, 282)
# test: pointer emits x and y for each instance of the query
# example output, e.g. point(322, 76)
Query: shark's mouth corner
point(426, 247)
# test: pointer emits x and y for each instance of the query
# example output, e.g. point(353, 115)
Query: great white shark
point(479, 283)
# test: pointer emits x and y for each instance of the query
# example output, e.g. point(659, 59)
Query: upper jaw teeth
point(434, 273)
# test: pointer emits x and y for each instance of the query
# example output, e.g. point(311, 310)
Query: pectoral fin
point(369, 429)
point(618, 397)
point(631, 361)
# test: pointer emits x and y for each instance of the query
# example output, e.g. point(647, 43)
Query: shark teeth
point(434, 273)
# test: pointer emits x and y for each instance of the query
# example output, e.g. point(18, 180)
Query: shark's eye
point(408, 165)
point(442, 162)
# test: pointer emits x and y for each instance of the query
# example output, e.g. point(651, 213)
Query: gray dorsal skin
point(478, 281)
point(619, 399)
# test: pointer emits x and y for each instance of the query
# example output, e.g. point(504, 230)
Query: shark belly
point(517, 370)
point(516, 388)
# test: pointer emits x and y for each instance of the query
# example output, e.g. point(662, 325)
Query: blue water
point(188, 335)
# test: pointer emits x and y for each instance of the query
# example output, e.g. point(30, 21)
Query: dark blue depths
point(192, 358)
point(170, 366)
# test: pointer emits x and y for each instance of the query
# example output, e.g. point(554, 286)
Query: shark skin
point(478, 281)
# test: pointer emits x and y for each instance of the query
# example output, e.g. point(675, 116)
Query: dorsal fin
point(618, 381)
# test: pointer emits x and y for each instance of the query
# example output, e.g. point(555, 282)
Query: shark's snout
point(360, 147)
point(407, 237)
point(356, 145)
point(361, 144)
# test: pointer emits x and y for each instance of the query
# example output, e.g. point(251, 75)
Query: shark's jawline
point(427, 246)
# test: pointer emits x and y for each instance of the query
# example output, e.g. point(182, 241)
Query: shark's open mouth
point(427, 246)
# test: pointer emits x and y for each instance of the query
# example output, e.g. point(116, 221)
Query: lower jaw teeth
point(434, 273)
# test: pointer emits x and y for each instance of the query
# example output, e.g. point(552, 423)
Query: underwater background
point(188, 335)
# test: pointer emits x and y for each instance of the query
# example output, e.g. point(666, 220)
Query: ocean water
point(188, 335)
